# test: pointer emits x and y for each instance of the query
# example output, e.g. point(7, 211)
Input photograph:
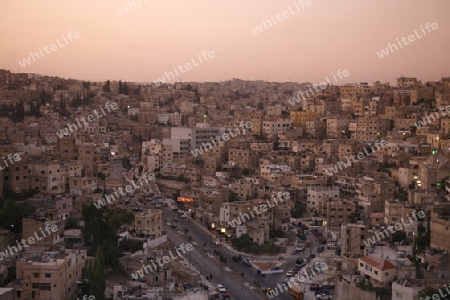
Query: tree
point(233, 197)
point(86, 84)
point(107, 86)
point(398, 236)
point(98, 285)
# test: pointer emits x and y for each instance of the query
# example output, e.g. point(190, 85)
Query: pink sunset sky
point(150, 39)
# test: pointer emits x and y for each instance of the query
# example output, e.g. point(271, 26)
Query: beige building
point(17, 177)
point(353, 237)
point(336, 212)
point(53, 275)
point(47, 177)
point(440, 228)
point(230, 211)
point(407, 82)
point(46, 233)
point(243, 157)
point(318, 194)
point(381, 271)
point(299, 118)
point(149, 223)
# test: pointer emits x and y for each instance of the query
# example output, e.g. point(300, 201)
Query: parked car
point(246, 262)
point(289, 274)
point(236, 258)
point(185, 229)
point(311, 256)
point(176, 219)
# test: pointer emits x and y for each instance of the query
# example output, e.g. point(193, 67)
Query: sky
point(310, 43)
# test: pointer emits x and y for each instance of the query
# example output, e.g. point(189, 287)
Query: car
point(294, 252)
point(176, 219)
point(311, 256)
point(314, 287)
point(323, 296)
point(321, 290)
point(301, 262)
point(185, 229)
point(246, 262)
point(217, 242)
point(158, 206)
point(297, 268)
point(236, 258)
point(289, 274)
point(221, 288)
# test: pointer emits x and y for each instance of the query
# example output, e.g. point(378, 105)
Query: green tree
point(107, 86)
point(98, 286)
point(12, 213)
point(398, 236)
point(233, 197)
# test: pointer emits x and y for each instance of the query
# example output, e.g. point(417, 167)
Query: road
point(204, 263)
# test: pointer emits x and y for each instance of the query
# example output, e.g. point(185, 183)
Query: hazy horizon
point(308, 45)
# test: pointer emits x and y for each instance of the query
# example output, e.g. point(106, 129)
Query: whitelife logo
point(91, 118)
point(165, 260)
point(379, 236)
point(188, 66)
point(266, 24)
point(435, 117)
point(320, 87)
point(197, 151)
point(10, 158)
point(296, 280)
point(411, 38)
point(53, 47)
point(108, 199)
point(50, 229)
point(259, 209)
point(124, 9)
point(360, 156)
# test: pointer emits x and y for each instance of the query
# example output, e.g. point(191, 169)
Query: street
point(201, 236)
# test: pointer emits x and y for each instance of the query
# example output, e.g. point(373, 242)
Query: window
point(48, 275)
point(36, 275)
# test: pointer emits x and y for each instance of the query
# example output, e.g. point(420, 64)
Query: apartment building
point(17, 177)
point(318, 194)
point(149, 223)
point(337, 128)
point(237, 210)
point(86, 154)
point(47, 177)
point(272, 127)
point(407, 82)
point(440, 227)
point(50, 275)
point(299, 118)
point(353, 237)
point(66, 148)
point(336, 212)
point(243, 157)
point(372, 128)
point(32, 226)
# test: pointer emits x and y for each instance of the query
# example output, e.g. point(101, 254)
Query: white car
point(221, 288)
point(290, 274)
